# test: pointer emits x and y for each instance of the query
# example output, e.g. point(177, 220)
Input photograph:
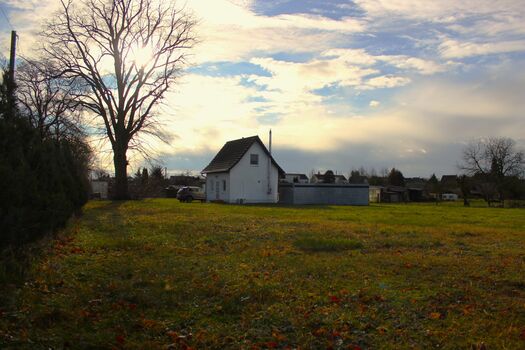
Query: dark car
point(171, 191)
point(190, 193)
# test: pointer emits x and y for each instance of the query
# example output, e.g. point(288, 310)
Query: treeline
point(43, 166)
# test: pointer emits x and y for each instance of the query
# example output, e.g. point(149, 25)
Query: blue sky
point(342, 84)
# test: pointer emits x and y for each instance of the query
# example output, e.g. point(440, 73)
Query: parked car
point(171, 191)
point(190, 193)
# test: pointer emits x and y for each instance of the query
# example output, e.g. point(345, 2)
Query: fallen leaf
point(522, 334)
point(435, 315)
point(335, 299)
point(120, 339)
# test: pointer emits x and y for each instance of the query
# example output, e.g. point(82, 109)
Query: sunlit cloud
point(380, 83)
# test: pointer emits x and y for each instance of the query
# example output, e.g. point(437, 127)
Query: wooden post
point(12, 57)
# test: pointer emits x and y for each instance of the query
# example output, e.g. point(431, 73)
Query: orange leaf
point(173, 335)
point(522, 334)
point(435, 315)
point(335, 299)
point(120, 339)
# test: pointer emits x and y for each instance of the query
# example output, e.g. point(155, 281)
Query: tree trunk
point(121, 172)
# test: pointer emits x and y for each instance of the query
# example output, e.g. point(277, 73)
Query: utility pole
point(12, 56)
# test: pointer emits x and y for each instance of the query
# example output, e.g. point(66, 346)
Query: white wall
point(324, 194)
point(214, 179)
point(290, 178)
point(250, 182)
point(100, 187)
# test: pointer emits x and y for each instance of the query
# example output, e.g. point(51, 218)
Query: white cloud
point(456, 49)
point(230, 32)
point(362, 57)
point(387, 81)
point(374, 103)
point(444, 11)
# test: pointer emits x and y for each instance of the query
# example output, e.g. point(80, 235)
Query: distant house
point(243, 171)
point(449, 197)
point(296, 178)
point(99, 189)
point(187, 180)
point(320, 178)
point(416, 189)
point(449, 183)
point(388, 194)
point(375, 194)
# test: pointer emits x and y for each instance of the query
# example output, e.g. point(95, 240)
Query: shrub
point(44, 181)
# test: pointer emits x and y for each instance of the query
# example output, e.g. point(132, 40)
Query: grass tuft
point(317, 244)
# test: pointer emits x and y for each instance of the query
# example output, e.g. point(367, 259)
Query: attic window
point(254, 159)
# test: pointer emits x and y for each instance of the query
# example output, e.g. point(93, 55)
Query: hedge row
point(42, 181)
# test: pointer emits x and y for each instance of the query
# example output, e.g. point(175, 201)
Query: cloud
point(404, 62)
point(323, 107)
point(387, 81)
point(455, 49)
point(232, 32)
point(444, 11)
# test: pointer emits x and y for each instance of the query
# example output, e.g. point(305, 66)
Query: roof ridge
point(232, 151)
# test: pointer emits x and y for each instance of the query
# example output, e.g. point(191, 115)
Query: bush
point(43, 181)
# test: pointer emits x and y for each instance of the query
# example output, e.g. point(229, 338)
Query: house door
point(217, 189)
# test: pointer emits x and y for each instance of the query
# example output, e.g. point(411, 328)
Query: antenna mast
point(269, 163)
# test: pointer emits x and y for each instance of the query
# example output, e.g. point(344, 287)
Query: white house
point(243, 172)
point(449, 197)
point(296, 178)
point(99, 189)
point(320, 178)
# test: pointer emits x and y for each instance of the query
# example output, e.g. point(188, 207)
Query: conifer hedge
point(43, 182)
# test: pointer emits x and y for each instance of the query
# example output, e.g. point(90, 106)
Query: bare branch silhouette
point(126, 54)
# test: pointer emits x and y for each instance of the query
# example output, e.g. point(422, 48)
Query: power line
point(7, 18)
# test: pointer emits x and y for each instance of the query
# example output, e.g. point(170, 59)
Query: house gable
point(232, 152)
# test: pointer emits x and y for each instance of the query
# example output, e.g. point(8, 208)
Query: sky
point(342, 84)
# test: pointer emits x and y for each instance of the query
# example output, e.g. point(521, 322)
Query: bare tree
point(127, 54)
point(48, 101)
point(496, 156)
point(493, 160)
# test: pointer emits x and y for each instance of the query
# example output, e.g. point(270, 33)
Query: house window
point(254, 159)
point(224, 185)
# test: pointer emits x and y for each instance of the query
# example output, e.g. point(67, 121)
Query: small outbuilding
point(243, 171)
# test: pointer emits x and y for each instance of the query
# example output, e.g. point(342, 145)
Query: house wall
point(375, 194)
point(290, 178)
point(314, 179)
point(212, 180)
point(328, 194)
point(340, 180)
point(100, 188)
point(249, 183)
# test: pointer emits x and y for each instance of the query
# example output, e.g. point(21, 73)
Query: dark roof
point(321, 176)
point(449, 178)
point(232, 152)
point(301, 176)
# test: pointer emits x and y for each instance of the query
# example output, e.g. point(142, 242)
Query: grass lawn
point(160, 274)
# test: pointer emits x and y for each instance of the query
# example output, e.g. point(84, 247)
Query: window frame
point(254, 156)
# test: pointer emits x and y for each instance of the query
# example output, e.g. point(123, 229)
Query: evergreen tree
point(396, 178)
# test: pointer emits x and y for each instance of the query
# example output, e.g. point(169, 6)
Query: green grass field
point(159, 274)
